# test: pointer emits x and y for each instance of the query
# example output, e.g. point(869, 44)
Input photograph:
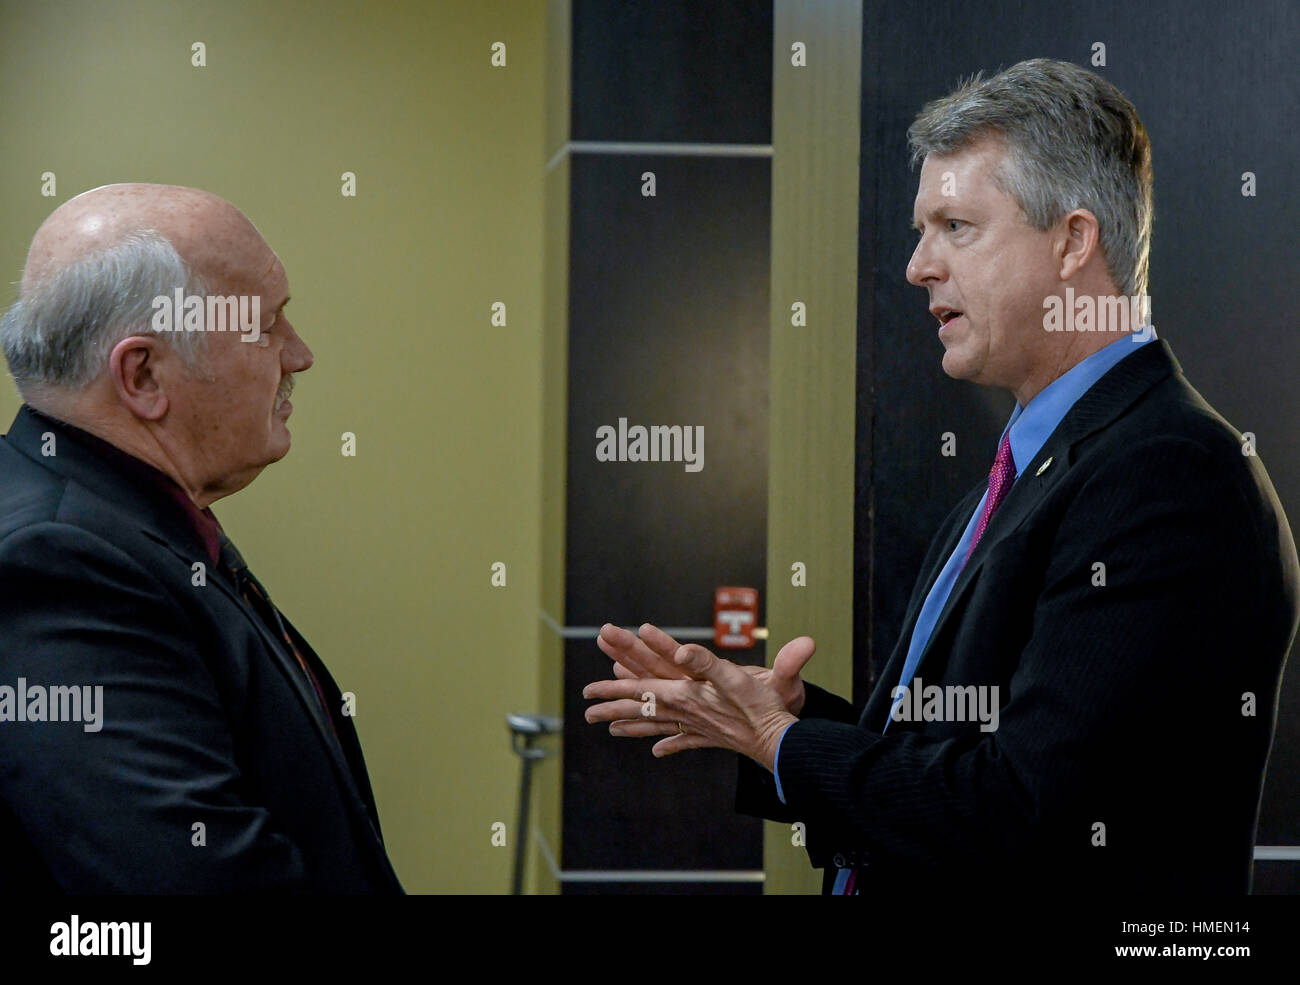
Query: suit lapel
point(347, 733)
point(878, 704)
point(284, 661)
point(1099, 406)
point(310, 701)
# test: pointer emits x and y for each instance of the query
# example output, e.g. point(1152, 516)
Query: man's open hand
point(652, 654)
point(694, 698)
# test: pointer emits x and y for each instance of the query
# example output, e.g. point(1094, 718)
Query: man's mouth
point(282, 394)
point(947, 316)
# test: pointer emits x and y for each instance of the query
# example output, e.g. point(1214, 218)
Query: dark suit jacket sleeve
point(755, 787)
point(78, 611)
point(1095, 693)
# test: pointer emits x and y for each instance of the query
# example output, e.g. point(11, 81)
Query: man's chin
point(956, 367)
point(280, 442)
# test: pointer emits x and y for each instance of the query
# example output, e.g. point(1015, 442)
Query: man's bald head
point(95, 267)
point(84, 344)
point(211, 235)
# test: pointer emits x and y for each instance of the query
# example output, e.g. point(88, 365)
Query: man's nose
point(923, 266)
point(297, 356)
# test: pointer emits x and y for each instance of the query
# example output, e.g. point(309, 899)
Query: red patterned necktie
point(1001, 476)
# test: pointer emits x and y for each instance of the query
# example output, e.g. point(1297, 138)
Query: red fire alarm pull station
point(735, 616)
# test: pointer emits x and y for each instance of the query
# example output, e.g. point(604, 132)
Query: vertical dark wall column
point(669, 203)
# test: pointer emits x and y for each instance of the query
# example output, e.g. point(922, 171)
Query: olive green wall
point(548, 783)
point(383, 559)
point(815, 113)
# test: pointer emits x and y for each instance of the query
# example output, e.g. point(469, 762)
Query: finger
point(614, 711)
point(790, 661)
point(622, 672)
point(704, 665)
point(642, 727)
point(663, 645)
point(627, 648)
point(641, 698)
point(625, 687)
point(680, 743)
point(621, 650)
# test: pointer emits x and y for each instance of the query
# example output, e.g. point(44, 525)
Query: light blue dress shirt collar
point(1031, 426)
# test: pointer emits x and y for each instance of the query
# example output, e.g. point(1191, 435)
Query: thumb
point(789, 663)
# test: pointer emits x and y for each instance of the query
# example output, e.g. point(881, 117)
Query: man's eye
point(953, 220)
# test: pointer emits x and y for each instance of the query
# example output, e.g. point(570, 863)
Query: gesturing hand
point(652, 654)
point(694, 698)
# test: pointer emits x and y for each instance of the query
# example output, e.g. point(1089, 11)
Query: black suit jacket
point(215, 769)
point(1135, 716)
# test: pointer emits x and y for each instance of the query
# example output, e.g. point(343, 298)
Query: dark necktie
point(259, 600)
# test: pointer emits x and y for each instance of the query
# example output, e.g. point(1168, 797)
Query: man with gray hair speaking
point(1083, 695)
point(221, 759)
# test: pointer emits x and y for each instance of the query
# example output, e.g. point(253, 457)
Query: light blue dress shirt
point(1030, 427)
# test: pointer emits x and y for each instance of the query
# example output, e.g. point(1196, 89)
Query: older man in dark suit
point(1084, 693)
point(220, 757)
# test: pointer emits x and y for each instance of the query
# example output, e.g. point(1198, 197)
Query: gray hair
point(1073, 141)
point(60, 332)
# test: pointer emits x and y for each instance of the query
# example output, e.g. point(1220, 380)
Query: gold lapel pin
point(1043, 468)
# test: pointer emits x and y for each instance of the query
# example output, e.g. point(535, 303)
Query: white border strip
point(644, 875)
point(1274, 853)
point(591, 632)
point(678, 150)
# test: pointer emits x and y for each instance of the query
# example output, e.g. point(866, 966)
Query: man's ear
point(134, 366)
point(1080, 241)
